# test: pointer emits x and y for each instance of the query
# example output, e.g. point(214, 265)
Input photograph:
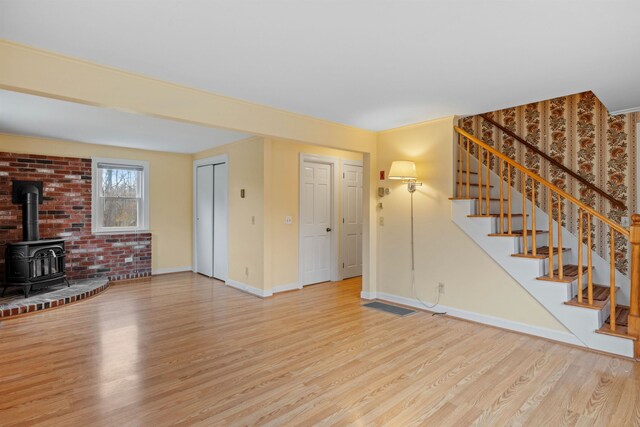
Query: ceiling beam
point(38, 72)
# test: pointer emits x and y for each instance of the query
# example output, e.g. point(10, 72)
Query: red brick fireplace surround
point(66, 213)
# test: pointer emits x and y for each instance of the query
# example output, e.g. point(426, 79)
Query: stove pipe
point(30, 195)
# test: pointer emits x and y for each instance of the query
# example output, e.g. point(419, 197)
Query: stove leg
point(67, 282)
point(27, 289)
point(4, 290)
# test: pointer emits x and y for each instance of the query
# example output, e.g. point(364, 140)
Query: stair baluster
point(488, 189)
point(510, 227)
point(560, 260)
point(468, 166)
point(589, 262)
point(534, 243)
point(612, 277)
point(501, 229)
point(480, 181)
point(525, 241)
point(460, 167)
point(550, 204)
point(580, 244)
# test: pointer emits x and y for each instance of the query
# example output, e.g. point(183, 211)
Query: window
point(120, 195)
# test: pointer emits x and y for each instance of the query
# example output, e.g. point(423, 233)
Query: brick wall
point(66, 213)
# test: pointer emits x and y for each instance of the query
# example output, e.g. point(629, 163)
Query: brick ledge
point(53, 299)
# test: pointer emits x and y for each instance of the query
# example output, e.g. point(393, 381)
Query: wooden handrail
point(556, 163)
point(544, 182)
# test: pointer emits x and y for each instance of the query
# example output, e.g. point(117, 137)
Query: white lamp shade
point(402, 169)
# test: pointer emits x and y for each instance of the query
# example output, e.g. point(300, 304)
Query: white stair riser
point(474, 191)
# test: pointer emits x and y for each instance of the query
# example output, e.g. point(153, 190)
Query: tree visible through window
point(120, 196)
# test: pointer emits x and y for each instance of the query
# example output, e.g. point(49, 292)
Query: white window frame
point(143, 219)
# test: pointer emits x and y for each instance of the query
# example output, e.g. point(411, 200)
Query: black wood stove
point(33, 263)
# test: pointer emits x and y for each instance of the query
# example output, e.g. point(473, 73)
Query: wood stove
point(33, 263)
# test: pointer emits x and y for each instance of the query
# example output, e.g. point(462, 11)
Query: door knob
point(328, 229)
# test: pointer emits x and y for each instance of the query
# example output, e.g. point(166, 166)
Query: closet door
point(220, 221)
point(204, 220)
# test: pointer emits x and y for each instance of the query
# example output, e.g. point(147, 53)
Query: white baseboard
point(249, 289)
point(551, 334)
point(286, 287)
point(260, 292)
point(157, 271)
point(368, 295)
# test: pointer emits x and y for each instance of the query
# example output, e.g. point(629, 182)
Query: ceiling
point(375, 64)
point(43, 117)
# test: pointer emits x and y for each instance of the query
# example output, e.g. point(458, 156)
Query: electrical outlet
point(288, 220)
point(381, 220)
point(130, 259)
point(441, 288)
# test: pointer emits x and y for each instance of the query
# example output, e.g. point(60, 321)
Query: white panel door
point(351, 221)
point(315, 223)
point(204, 220)
point(220, 221)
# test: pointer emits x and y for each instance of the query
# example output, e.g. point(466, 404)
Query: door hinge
point(343, 220)
point(343, 265)
point(342, 175)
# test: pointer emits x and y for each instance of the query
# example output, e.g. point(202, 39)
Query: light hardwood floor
point(181, 349)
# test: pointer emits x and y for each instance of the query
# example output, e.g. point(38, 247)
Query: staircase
point(559, 269)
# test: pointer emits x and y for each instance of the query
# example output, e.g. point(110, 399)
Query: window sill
point(106, 233)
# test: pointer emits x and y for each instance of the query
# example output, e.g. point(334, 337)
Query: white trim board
point(335, 214)
point(260, 292)
point(351, 162)
point(158, 271)
point(367, 295)
point(249, 289)
point(286, 287)
point(538, 331)
point(625, 111)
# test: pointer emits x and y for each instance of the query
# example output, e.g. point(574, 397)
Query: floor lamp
point(406, 171)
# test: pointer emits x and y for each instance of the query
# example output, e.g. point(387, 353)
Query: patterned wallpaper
point(579, 132)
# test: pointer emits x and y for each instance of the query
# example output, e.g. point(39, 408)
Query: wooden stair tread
point(569, 274)
point(622, 319)
point(622, 316)
point(492, 216)
point(541, 253)
point(517, 233)
point(600, 297)
point(470, 172)
point(473, 184)
point(475, 198)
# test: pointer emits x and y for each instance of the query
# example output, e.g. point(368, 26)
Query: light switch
point(288, 220)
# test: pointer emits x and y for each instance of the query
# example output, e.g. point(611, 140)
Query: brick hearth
point(66, 213)
point(56, 296)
